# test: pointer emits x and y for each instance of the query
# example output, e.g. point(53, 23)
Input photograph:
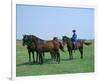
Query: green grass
point(77, 65)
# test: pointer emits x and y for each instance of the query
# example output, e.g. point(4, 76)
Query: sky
point(47, 22)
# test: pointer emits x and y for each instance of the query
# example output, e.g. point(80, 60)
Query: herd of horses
point(40, 46)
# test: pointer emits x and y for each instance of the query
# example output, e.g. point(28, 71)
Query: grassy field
point(77, 65)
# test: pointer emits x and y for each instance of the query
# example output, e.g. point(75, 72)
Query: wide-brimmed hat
point(73, 30)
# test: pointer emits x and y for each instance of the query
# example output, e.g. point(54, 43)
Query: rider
point(74, 38)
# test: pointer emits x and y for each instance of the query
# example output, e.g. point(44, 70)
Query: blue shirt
point(74, 38)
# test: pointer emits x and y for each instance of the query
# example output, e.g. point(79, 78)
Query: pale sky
point(47, 22)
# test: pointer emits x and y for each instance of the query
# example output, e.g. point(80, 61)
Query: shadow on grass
point(50, 61)
point(65, 60)
point(70, 59)
point(46, 61)
point(27, 63)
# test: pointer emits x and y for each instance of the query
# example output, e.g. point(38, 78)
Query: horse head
point(65, 39)
point(24, 40)
point(27, 40)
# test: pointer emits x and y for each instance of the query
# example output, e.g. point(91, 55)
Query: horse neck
point(37, 40)
point(68, 41)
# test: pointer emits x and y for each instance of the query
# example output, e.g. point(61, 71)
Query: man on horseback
point(74, 38)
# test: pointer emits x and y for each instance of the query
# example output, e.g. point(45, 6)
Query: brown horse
point(30, 47)
point(71, 47)
point(41, 46)
point(51, 46)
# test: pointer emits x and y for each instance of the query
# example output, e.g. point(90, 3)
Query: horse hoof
point(58, 62)
point(40, 63)
point(71, 59)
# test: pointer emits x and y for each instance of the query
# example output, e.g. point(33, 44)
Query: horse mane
point(37, 38)
point(66, 37)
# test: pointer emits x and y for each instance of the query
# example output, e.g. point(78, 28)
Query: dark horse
point(41, 46)
point(71, 47)
point(30, 48)
point(51, 46)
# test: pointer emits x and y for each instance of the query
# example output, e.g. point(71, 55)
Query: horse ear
point(23, 35)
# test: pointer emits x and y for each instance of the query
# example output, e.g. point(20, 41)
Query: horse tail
point(61, 47)
point(87, 43)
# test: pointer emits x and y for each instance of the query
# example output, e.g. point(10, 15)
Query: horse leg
point(37, 55)
point(33, 57)
point(53, 55)
point(81, 52)
point(43, 56)
point(73, 47)
point(29, 56)
point(40, 58)
point(69, 54)
point(58, 57)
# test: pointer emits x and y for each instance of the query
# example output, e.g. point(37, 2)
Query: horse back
point(45, 46)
